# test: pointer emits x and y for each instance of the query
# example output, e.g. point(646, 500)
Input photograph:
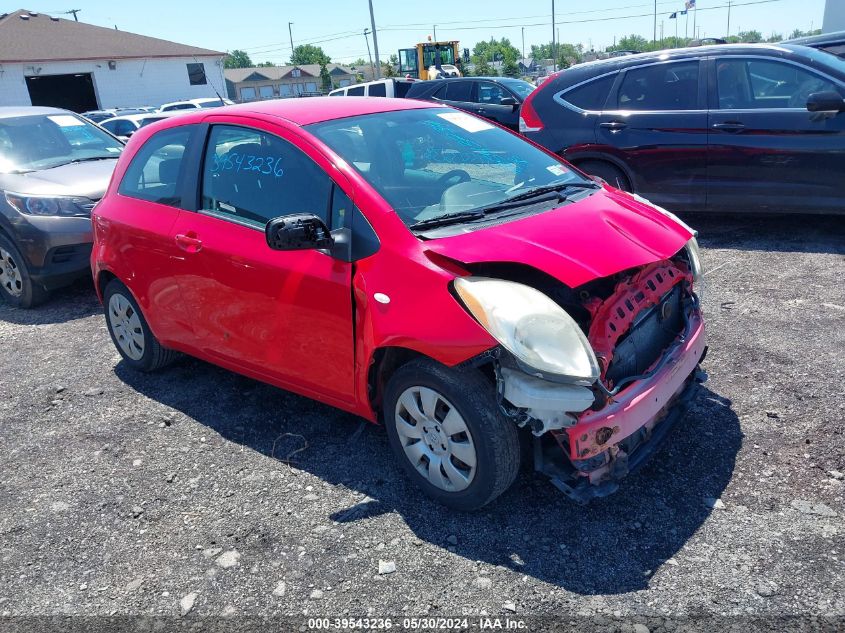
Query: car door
point(767, 152)
point(656, 124)
point(285, 317)
point(139, 229)
point(488, 99)
point(456, 93)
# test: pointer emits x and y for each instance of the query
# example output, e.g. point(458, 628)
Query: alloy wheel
point(126, 326)
point(11, 279)
point(435, 438)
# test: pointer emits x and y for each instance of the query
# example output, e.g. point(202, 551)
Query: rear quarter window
point(377, 90)
point(591, 95)
point(357, 91)
point(155, 171)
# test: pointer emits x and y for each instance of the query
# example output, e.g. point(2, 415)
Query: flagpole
point(694, 18)
point(686, 26)
point(729, 20)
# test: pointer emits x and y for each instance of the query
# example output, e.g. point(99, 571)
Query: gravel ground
point(198, 490)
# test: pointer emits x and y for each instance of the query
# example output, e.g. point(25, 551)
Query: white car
point(191, 104)
point(125, 126)
point(393, 88)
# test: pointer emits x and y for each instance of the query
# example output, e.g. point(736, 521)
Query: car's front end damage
point(643, 339)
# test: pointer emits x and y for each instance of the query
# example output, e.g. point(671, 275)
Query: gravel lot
point(199, 490)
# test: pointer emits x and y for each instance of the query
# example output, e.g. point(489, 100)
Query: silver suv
point(54, 167)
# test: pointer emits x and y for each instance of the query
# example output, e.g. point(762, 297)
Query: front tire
point(16, 285)
point(447, 432)
point(130, 332)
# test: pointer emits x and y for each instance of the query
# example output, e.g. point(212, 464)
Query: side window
point(357, 91)
point(458, 91)
point(153, 174)
point(672, 86)
point(124, 128)
point(759, 84)
point(592, 95)
point(377, 90)
point(341, 208)
point(488, 92)
point(253, 176)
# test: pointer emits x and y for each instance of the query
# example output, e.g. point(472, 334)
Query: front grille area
point(650, 334)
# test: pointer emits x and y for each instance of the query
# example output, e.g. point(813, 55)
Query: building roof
point(27, 36)
point(275, 73)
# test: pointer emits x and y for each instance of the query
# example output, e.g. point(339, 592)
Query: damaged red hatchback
point(413, 264)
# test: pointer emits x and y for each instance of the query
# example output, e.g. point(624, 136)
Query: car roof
point(819, 40)
point(307, 110)
point(14, 111)
point(139, 117)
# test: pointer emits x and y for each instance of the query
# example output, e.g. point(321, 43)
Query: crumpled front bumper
point(608, 444)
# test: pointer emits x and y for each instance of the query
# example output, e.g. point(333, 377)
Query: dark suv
point(54, 167)
point(713, 128)
point(494, 98)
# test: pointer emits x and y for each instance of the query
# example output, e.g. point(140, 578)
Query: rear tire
point(607, 172)
point(130, 333)
point(16, 284)
point(448, 434)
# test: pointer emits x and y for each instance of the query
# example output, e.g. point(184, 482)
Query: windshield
point(30, 143)
point(522, 88)
point(431, 162)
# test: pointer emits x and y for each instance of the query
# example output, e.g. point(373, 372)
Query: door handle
point(729, 126)
point(188, 243)
point(614, 126)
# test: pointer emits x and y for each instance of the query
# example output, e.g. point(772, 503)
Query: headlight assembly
point(532, 327)
point(694, 259)
point(47, 205)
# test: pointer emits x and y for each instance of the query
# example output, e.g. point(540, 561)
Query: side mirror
point(828, 101)
point(297, 232)
point(508, 101)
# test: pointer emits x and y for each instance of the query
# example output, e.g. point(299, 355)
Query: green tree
point(485, 53)
point(326, 78)
point(309, 54)
point(266, 65)
point(237, 59)
point(510, 69)
point(632, 42)
point(483, 69)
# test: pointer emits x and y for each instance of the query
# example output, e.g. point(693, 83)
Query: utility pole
point(661, 30)
point(74, 11)
point(554, 45)
point(434, 28)
point(367, 40)
point(523, 42)
point(290, 32)
point(375, 42)
point(654, 36)
point(729, 20)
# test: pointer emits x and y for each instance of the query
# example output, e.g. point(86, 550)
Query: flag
point(684, 12)
point(690, 4)
point(673, 16)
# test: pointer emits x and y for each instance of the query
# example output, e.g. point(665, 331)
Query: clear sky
point(261, 27)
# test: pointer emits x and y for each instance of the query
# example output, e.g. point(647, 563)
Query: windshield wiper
point(449, 218)
point(84, 160)
point(538, 194)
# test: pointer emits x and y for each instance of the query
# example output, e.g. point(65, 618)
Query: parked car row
point(738, 128)
point(272, 237)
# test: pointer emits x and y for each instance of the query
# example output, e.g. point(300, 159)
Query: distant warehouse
point(56, 62)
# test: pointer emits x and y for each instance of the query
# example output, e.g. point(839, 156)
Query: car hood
point(88, 180)
point(598, 236)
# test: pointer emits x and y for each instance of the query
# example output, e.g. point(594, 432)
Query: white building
point(56, 62)
point(834, 16)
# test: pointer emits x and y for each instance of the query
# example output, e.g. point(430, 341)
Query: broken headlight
point(532, 327)
point(694, 256)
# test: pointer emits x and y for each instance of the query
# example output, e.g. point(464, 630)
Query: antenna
point(74, 12)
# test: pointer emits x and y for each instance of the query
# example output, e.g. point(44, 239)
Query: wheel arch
point(583, 157)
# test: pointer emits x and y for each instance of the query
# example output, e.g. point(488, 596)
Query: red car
point(415, 265)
